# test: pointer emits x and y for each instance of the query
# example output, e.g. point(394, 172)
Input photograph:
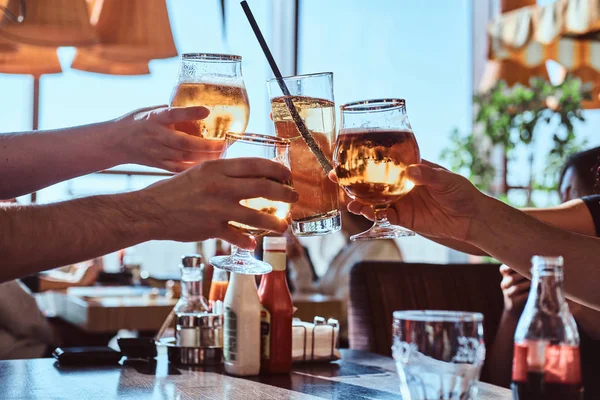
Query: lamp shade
point(50, 23)
point(7, 46)
point(90, 61)
point(30, 60)
point(133, 30)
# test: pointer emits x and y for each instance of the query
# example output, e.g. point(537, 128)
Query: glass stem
point(238, 253)
point(380, 214)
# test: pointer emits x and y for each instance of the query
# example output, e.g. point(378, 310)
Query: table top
point(359, 375)
point(107, 309)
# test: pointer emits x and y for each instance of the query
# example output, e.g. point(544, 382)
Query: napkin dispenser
point(315, 341)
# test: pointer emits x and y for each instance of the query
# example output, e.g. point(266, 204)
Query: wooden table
point(107, 309)
point(359, 375)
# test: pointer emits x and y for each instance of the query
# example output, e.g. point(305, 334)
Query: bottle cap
point(274, 243)
point(192, 261)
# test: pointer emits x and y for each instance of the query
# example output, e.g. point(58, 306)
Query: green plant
point(510, 118)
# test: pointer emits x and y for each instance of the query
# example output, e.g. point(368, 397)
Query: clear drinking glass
point(214, 81)
point(439, 354)
point(374, 146)
point(241, 261)
point(317, 211)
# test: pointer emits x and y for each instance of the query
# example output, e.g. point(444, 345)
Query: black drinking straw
point(310, 141)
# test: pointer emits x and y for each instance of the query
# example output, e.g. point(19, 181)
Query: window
point(416, 50)
point(76, 98)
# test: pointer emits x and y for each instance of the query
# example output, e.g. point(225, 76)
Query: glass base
point(241, 264)
point(383, 231)
point(319, 225)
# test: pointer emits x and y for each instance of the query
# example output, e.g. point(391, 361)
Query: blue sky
point(416, 50)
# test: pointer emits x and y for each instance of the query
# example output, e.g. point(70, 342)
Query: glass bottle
point(191, 305)
point(191, 299)
point(546, 360)
point(214, 81)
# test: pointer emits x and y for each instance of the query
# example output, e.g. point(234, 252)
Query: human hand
point(199, 203)
point(442, 204)
point(515, 289)
point(147, 137)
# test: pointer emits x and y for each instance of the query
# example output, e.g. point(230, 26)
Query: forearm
point(513, 237)
point(458, 246)
point(36, 238)
point(33, 160)
point(573, 216)
point(501, 351)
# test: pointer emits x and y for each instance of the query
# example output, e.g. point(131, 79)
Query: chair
point(377, 289)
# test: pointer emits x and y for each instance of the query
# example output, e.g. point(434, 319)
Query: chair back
point(377, 289)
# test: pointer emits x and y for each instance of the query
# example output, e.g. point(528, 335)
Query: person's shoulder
point(593, 205)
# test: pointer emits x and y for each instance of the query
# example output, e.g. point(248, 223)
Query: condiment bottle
point(220, 280)
point(191, 303)
point(276, 315)
point(241, 336)
point(546, 360)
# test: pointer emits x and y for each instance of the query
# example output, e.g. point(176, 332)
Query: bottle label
point(557, 363)
point(230, 335)
point(265, 334)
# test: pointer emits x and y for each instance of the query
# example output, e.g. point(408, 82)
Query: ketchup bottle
point(277, 310)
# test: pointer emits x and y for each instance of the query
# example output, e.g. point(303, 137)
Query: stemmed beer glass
point(241, 261)
point(374, 147)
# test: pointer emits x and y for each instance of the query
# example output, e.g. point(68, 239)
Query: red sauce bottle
point(277, 310)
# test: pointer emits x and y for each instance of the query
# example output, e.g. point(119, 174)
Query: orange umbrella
point(49, 23)
point(92, 61)
point(133, 30)
point(131, 34)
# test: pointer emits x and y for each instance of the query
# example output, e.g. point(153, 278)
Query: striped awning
point(566, 31)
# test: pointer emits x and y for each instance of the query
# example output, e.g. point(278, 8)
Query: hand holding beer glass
point(374, 147)
point(317, 211)
point(263, 146)
point(214, 81)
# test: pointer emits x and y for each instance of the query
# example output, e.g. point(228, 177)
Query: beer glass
point(214, 81)
point(374, 147)
point(317, 210)
point(241, 261)
point(439, 354)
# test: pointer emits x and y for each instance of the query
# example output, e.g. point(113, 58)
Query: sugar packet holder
point(316, 341)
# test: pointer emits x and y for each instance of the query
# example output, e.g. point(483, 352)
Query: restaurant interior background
point(430, 52)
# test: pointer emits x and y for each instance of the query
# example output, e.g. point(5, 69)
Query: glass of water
point(439, 354)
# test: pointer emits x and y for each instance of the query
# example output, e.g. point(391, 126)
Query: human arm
point(447, 206)
point(573, 216)
point(33, 160)
point(195, 205)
